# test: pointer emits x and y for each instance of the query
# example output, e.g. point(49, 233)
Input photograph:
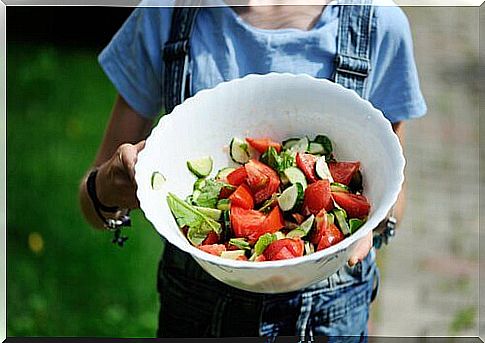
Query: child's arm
point(115, 184)
point(365, 244)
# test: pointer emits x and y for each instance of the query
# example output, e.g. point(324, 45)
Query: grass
point(64, 278)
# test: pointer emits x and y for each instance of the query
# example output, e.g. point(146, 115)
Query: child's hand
point(115, 182)
point(361, 249)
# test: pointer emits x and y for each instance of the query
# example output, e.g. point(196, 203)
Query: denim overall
point(194, 304)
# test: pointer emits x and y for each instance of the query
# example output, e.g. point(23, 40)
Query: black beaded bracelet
point(122, 217)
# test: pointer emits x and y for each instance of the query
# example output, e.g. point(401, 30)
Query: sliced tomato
point(225, 192)
point(212, 238)
point(317, 196)
point(262, 180)
point(321, 223)
point(342, 172)
point(252, 224)
point(273, 222)
point(355, 205)
point(331, 236)
point(260, 258)
point(237, 177)
point(242, 258)
point(283, 249)
point(246, 223)
point(262, 144)
point(214, 249)
point(306, 162)
point(242, 197)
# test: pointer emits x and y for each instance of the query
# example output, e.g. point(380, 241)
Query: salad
point(285, 200)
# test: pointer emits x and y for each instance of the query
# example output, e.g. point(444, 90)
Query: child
point(365, 48)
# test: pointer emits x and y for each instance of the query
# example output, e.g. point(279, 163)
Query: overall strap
point(352, 63)
point(176, 57)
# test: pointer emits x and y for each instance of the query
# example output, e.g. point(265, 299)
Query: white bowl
point(278, 106)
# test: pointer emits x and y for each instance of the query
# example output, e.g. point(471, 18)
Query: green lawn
point(64, 278)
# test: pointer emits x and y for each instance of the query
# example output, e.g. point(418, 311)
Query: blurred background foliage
point(64, 278)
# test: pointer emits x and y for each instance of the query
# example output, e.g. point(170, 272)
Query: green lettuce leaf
point(186, 215)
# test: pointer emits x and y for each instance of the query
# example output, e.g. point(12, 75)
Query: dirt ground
point(430, 273)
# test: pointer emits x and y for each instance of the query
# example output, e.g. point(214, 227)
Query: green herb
point(209, 193)
point(355, 224)
point(240, 243)
point(263, 242)
point(186, 215)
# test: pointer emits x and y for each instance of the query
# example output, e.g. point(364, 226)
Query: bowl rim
point(316, 256)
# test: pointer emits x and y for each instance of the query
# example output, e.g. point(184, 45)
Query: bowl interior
point(279, 106)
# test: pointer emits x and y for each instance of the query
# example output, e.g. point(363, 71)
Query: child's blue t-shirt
point(225, 47)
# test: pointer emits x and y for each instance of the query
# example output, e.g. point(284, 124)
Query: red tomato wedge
point(246, 223)
point(242, 197)
point(262, 144)
point(283, 249)
point(260, 258)
point(214, 249)
point(306, 162)
point(317, 196)
point(355, 205)
point(321, 221)
point(212, 238)
point(253, 224)
point(342, 172)
point(263, 181)
point(242, 258)
point(331, 236)
point(273, 222)
point(237, 177)
point(225, 192)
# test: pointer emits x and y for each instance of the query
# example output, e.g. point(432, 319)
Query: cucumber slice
point(303, 229)
point(339, 187)
point(316, 148)
point(295, 176)
point(330, 218)
point(301, 146)
point(222, 174)
point(341, 217)
point(296, 233)
point(199, 184)
point(279, 235)
point(306, 226)
point(157, 181)
point(232, 254)
point(201, 167)
point(213, 213)
point(287, 144)
point(291, 198)
point(224, 204)
point(355, 224)
point(321, 168)
point(239, 150)
point(325, 142)
point(195, 195)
